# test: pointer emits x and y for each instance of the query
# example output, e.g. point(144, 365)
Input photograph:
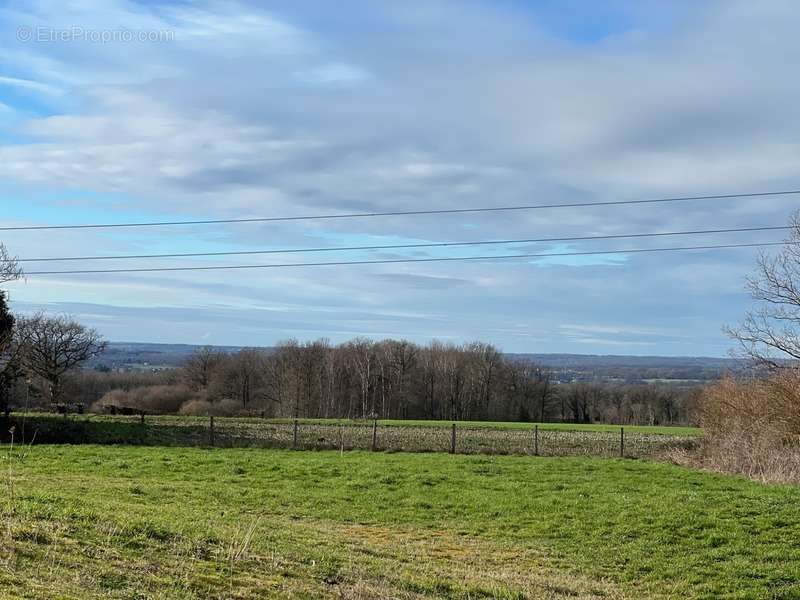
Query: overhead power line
point(407, 246)
point(400, 213)
point(408, 260)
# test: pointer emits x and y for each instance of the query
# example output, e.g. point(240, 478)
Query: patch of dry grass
point(752, 428)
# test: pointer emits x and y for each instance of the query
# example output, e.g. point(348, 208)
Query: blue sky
point(229, 110)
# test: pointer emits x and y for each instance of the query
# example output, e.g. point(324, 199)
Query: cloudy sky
point(119, 111)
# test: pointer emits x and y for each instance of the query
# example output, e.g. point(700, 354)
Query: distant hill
point(618, 360)
point(688, 370)
point(137, 356)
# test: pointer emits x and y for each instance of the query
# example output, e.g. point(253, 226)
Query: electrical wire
point(404, 246)
point(398, 213)
point(408, 260)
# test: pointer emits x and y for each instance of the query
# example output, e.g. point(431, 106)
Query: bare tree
point(530, 386)
point(279, 375)
point(489, 360)
point(404, 356)
point(199, 369)
point(428, 379)
point(290, 357)
point(9, 266)
point(245, 376)
point(770, 334)
point(578, 397)
point(362, 362)
point(54, 346)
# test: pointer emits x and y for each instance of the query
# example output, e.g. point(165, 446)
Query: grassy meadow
point(148, 522)
point(395, 436)
point(501, 425)
point(515, 425)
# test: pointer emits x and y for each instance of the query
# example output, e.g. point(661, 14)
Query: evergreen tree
point(6, 321)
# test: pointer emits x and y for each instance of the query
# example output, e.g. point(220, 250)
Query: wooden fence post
point(536, 440)
point(294, 434)
point(374, 435)
point(211, 430)
point(453, 440)
point(622, 442)
point(142, 418)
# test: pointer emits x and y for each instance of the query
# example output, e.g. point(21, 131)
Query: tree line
point(390, 379)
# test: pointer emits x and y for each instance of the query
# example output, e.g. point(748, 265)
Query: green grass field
point(510, 425)
point(120, 522)
point(592, 427)
point(596, 427)
point(392, 436)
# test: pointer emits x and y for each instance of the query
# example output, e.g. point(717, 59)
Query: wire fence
point(305, 435)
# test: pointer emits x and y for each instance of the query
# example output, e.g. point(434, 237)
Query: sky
point(120, 111)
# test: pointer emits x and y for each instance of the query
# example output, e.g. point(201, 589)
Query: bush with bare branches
point(222, 408)
point(752, 427)
point(157, 400)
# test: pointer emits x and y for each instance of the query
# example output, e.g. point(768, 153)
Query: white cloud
point(452, 104)
point(26, 84)
point(334, 73)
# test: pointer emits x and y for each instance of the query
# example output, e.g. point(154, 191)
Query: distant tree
point(402, 356)
point(9, 271)
point(54, 346)
point(771, 331)
point(6, 323)
point(361, 358)
point(668, 400)
point(488, 361)
point(428, 380)
point(577, 396)
point(244, 375)
point(200, 368)
point(9, 366)
point(11, 370)
point(285, 377)
point(531, 388)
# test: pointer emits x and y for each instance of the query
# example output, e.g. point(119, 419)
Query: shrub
point(227, 408)
point(196, 408)
point(752, 427)
point(223, 408)
point(158, 399)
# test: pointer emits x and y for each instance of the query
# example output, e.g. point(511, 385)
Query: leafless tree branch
point(770, 335)
point(10, 269)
